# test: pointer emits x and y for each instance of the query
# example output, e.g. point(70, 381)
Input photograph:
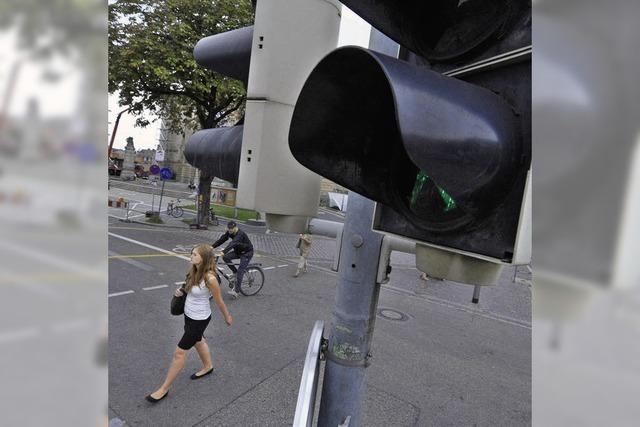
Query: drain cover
point(391, 314)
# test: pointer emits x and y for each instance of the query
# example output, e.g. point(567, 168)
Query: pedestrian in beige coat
point(304, 245)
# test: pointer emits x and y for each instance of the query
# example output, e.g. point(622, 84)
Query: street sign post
point(153, 170)
point(165, 174)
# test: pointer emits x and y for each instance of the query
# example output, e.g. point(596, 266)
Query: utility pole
point(354, 315)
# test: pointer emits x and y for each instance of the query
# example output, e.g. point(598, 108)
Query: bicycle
point(213, 219)
point(252, 281)
point(174, 210)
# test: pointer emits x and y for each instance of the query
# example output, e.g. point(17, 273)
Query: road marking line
point(164, 251)
point(285, 265)
point(116, 217)
point(155, 287)
point(268, 268)
point(179, 283)
point(120, 293)
point(137, 256)
point(143, 229)
point(133, 262)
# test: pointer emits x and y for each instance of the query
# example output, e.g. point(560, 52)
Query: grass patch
point(229, 212)
point(155, 220)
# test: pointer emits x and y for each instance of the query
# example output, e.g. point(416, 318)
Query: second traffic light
point(216, 151)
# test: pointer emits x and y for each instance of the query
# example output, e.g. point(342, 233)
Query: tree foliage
point(151, 61)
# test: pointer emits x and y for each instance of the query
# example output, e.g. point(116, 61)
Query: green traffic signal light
point(421, 180)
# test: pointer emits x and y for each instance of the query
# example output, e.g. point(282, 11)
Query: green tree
point(151, 61)
point(151, 65)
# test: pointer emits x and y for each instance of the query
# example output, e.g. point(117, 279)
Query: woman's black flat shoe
point(154, 400)
point(197, 377)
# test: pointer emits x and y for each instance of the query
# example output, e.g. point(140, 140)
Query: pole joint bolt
point(357, 240)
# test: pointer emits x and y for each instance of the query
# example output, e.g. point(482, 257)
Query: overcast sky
point(142, 137)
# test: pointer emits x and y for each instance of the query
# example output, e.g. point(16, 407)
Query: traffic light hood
point(216, 152)
point(440, 151)
point(439, 30)
point(227, 53)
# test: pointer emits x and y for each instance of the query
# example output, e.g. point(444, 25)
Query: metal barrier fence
point(309, 383)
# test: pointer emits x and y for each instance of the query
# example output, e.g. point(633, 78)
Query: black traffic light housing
point(446, 158)
point(450, 32)
point(217, 151)
point(228, 53)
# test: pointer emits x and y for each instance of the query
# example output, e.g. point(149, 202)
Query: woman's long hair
point(195, 275)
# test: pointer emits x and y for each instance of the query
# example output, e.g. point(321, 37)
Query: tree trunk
point(204, 198)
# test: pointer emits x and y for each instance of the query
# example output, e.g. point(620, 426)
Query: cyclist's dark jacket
point(240, 243)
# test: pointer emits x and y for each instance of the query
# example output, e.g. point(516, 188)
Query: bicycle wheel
point(177, 212)
point(252, 281)
point(213, 219)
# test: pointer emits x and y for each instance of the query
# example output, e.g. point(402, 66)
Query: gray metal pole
point(322, 227)
point(476, 294)
point(356, 300)
point(160, 205)
point(353, 318)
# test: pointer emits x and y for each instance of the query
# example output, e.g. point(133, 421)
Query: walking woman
point(201, 282)
point(304, 246)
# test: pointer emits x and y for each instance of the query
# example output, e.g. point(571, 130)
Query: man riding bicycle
point(240, 247)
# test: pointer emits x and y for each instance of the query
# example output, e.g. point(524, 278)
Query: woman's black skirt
point(193, 330)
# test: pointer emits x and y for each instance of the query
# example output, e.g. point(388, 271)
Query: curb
point(134, 221)
point(224, 218)
point(185, 227)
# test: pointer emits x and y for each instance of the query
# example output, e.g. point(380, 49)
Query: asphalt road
point(446, 362)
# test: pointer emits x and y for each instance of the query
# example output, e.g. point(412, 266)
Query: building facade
point(173, 145)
